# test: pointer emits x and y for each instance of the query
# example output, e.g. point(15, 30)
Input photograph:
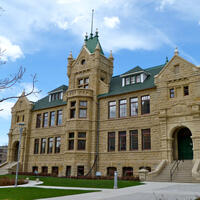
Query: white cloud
point(62, 24)
point(111, 22)
point(137, 29)
point(6, 106)
point(16, 91)
point(28, 88)
point(10, 51)
point(165, 3)
point(29, 18)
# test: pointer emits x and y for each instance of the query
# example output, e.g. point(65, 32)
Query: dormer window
point(127, 80)
point(55, 96)
point(138, 79)
point(132, 79)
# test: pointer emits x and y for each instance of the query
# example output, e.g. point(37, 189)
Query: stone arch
point(182, 144)
point(15, 148)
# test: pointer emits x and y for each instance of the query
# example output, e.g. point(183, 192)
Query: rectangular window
point(55, 171)
point(122, 108)
point(57, 144)
point(127, 80)
point(18, 118)
point(50, 145)
point(36, 146)
point(176, 69)
point(73, 109)
point(186, 90)
point(138, 79)
point(35, 169)
point(171, 93)
point(43, 145)
point(80, 170)
point(59, 117)
point(111, 141)
point(146, 139)
point(44, 170)
point(38, 120)
point(134, 140)
point(82, 109)
point(71, 141)
point(52, 118)
point(145, 104)
point(132, 79)
point(45, 119)
point(134, 106)
point(81, 141)
point(112, 109)
point(83, 83)
point(56, 96)
point(122, 141)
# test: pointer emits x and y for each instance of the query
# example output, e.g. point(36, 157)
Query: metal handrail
point(173, 168)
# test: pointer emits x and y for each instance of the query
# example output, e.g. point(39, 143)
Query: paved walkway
point(148, 191)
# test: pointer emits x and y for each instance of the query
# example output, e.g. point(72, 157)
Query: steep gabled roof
point(91, 44)
point(132, 71)
point(44, 102)
point(117, 88)
point(58, 89)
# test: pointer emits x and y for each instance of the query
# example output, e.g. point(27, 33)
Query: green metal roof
point(44, 102)
point(116, 83)
point(134, 70)
point(61, 88)
point(91, 44)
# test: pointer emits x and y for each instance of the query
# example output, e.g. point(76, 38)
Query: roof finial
point(86, 36)
point(111, 56)
point(176, 52)
point(91, 34)
point(70, 55)
point(167, 60)
point(23, 93)
point(96, 33)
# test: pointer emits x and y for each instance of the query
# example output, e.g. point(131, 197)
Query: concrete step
point(182, 174)
point(5, 168)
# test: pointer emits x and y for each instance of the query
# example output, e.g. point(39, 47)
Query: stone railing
point(196, 170)
point(79, 93)
point(158, 170)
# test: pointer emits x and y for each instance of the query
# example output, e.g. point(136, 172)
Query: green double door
point(185, 145)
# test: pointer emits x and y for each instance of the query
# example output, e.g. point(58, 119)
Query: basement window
point(186, 90)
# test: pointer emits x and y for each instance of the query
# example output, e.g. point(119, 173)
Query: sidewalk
point(148, 191)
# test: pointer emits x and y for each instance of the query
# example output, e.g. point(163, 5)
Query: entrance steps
point(182, 174)
point(6, 167)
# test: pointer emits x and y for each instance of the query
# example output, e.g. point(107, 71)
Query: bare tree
point(13, 79)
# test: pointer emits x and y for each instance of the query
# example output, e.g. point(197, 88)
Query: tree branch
point(34, 80)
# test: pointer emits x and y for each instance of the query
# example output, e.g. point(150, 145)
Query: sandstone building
point(3, 153)
point(143, 118)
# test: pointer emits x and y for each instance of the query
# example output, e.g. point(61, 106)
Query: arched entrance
point(182, 144)
point(15, 150)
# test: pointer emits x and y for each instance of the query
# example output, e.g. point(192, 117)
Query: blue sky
point(39, 36)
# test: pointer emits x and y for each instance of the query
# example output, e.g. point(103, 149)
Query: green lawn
point(66, 182)
point(30, 193)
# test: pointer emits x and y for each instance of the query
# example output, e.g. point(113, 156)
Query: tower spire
point(91, 34)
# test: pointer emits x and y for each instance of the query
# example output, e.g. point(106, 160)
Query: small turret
point(176, 52)
point(69, 66)
point(111, 56)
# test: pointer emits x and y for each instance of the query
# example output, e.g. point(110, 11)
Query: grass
point(66, 182)
point(29, 193)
